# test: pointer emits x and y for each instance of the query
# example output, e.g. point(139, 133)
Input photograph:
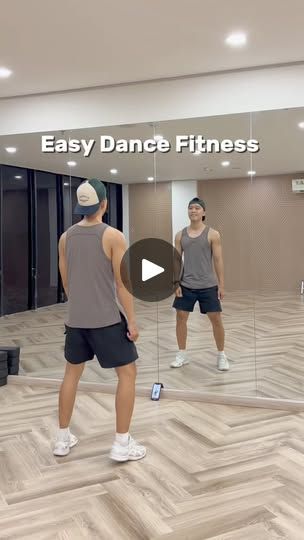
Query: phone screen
point(155, 395)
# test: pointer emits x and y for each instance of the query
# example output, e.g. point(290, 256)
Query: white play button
point(150, 270)
point(151, 281)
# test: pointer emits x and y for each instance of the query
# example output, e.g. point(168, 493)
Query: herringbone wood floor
point(211, 472)
point(264, 342)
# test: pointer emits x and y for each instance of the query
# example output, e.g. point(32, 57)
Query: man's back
point(91, 297)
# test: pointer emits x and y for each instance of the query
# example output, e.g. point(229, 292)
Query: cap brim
point(86, 210)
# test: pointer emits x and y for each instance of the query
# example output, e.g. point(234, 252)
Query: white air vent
point(298, 185)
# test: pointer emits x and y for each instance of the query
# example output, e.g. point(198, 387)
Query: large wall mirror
point(223, 181)
point(277, 247)
point(38, 195)
point(251, 198)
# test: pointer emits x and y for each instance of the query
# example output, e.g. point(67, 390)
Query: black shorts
point(207, 298)
point(110, 344)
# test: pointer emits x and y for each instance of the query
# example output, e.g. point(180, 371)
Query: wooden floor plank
point(264, 343)
point(212, 472)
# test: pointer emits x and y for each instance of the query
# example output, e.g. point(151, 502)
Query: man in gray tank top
point(201, 247)
point(90, 255)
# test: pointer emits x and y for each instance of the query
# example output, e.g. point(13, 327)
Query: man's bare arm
point(118, 249)
point(177, 264)
point(178, 243)
point(218, 257)
point(62, 263)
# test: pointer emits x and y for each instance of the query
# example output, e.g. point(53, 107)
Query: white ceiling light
point(158, 137)
point(113, 171)
point(11, 149)
point(18, 177)
point(225, 163)
point(66, 184)
point(150, 178)
point(301, 125)
point(251, 173)
point(5, 72)
point(72, 163)
point(237, 39)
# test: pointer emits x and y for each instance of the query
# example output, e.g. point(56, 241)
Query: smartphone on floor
point(156, 388)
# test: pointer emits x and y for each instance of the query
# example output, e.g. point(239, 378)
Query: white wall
point(125, 212)
point(189, 97)
point(182, 193)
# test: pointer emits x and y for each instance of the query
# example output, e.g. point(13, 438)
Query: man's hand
point(179, 292)
point(221, 293)
point(133, 331)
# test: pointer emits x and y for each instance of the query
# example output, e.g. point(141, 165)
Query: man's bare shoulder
point(62, 240)
point(114, 235)
point(213, 234)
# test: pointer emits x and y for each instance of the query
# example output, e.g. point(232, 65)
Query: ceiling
point(74, 44)
point(281, 142)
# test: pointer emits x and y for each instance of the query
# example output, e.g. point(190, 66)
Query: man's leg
point(68, 391)
point(219, 336)
point(218, 330)
point(181, 329)
point(124, 447)
point(125, 397)
point(65, 440)
point(181, 336)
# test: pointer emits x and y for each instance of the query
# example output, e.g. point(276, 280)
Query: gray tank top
point(198, 268)
point(91, 291)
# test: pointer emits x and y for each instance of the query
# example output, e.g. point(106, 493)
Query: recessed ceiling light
point(66, 184)
point(301, 125)
point(113, 171)
point(5, 72)
point(237, 39)
point(225, 163)
point(150, 178)
point(72, 163)
point(251, 173)
point(158, 137)
point(11, 149)
point(18, 177)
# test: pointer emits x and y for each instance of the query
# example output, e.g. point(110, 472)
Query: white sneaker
point(222, 362)
point(62, 448)
point(130, 452)
point(180, 360)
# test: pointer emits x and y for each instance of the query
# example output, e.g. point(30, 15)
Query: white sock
point(122, 438)
point(182, 352)
point(221, 353)
point(63, 434)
